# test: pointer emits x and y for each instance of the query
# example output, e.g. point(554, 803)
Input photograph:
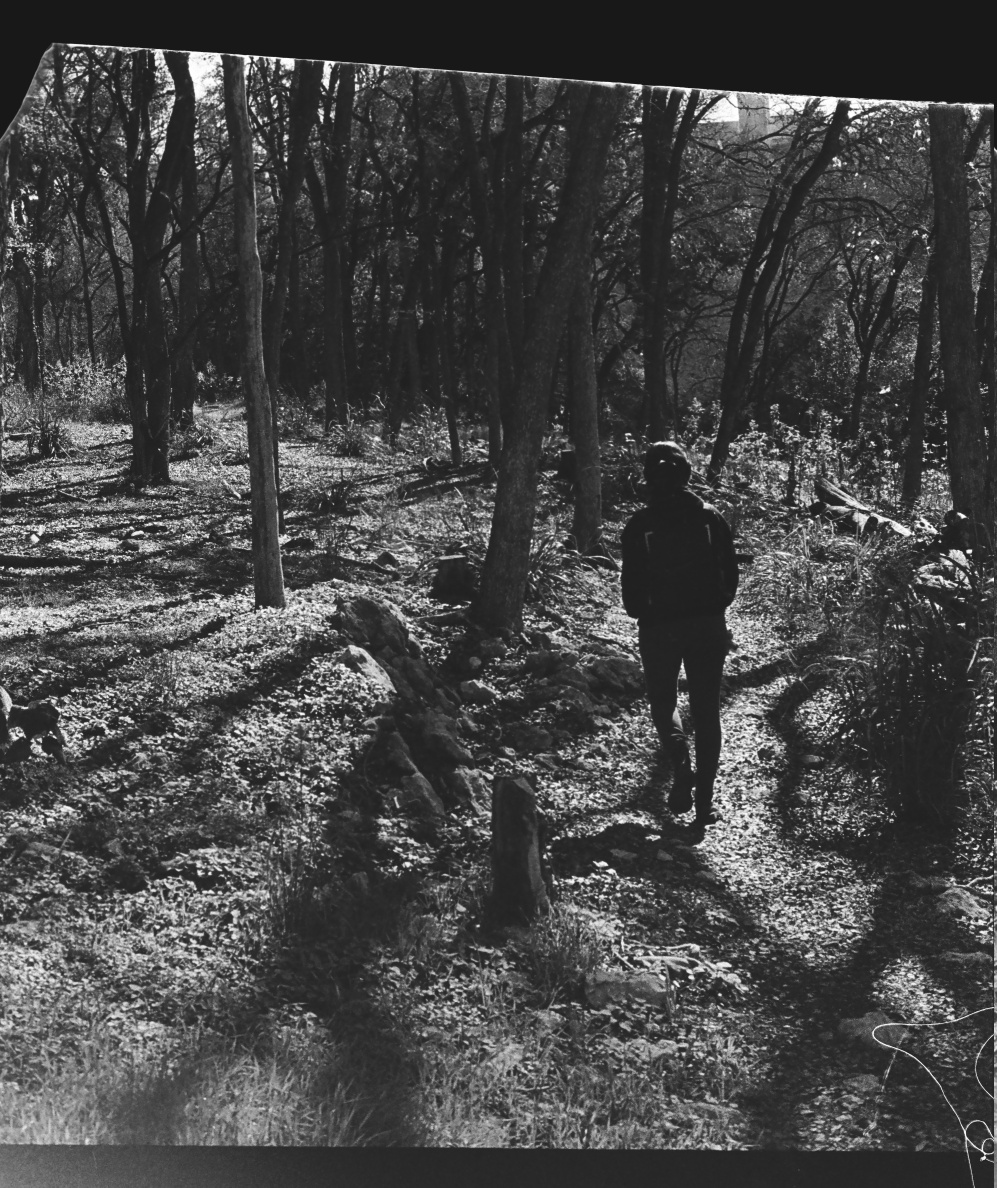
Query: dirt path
point(803, 892)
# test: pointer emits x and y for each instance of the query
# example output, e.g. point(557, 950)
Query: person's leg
point(704, 657)
point(661, 655)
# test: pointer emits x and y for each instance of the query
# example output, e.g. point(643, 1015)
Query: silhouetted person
point(679, 577)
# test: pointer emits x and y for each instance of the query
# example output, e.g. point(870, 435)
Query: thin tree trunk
point(268, 579)
point(185, 373)
point(966, 435)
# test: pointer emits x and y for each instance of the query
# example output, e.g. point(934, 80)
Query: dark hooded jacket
point(685, 508)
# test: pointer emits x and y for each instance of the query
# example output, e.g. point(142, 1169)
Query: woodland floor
point(139, 902)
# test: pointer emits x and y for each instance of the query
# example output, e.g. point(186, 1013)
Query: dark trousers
point(701, 644)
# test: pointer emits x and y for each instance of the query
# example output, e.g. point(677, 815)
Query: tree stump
point(453, 581)
point(519, 891)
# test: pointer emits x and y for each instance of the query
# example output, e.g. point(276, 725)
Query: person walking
point(679, 576)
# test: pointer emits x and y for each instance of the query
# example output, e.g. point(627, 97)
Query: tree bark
point(151, 447)
point(185, 344)
point(506, 568)
point(268, 579)
point(960, 363)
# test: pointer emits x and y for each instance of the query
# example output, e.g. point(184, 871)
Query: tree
point(329, 206)
point(506, 567)
point(664, 145)
point(795, 178)
point(268, 579)
point(960, 362)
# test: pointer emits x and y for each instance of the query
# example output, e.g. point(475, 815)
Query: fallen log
point(849, 514)
point(18, 561)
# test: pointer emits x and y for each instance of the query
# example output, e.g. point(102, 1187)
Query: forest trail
point(797, 890)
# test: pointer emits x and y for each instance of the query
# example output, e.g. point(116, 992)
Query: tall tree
point(268, 579)
point(664, 144)
point(504, 576)
point(329, 205)
point(960, 363)
point(184, 371)
point(795, 178)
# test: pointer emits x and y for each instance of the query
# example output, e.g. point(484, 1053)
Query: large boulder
point(376, 624)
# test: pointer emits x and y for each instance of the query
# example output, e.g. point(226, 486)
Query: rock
point(359, 660)
point(375, 624)
point(417, 674)
point(453, 580)
point(417, 790)
point(811, 761)
point(388, 560)
point(664, 856)
point(570, 677)
point(957, 902)
point(477, 692)
point(540, 663)
point(507, 753)
point(521, 882)
point(928, 884)
point(528, 738)
point(619, 675)
point(439, 737)
point(623, 855)
point(299, 544)
point(493, 649)
point(864, 1083)
point(393, 750)
point(605, 986)
point(860, 1029)
point(41, 850)
point(472, 788)
point(129, 546)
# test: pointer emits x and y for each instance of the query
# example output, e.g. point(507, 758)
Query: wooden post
point(519, 893)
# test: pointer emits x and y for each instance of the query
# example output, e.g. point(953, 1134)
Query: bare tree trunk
point(184, 371)
point(966, 435)
point(506, 568)
point(587, 522)
point(914, 453)
point(268, 579)
point(154, 426)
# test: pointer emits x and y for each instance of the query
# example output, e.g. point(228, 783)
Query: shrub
point(82, 390)
point(915, 677)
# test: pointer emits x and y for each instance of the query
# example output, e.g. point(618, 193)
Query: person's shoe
point(680, 797)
